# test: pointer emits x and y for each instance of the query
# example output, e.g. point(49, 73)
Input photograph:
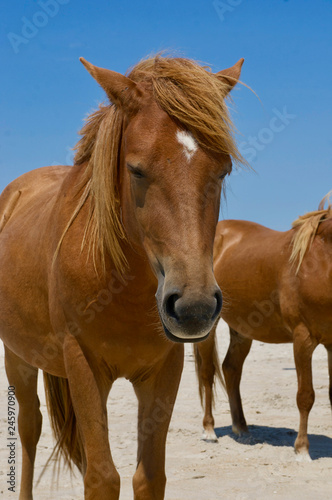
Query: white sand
point(261, 467)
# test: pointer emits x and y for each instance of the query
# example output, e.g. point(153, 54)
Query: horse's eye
point(138, 174)
point(135, 171)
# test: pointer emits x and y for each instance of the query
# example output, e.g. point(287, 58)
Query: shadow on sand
point(320, 445)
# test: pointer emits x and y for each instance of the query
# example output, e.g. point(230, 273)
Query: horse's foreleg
point(156, 397)
point(304, 347)
point(238, 350)
point(24, 378)
point(205, 365)
point(89, 396)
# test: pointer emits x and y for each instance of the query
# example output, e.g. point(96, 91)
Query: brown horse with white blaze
point(84, 249)
point(277, 288)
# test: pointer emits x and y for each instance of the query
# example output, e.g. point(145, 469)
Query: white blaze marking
point(188, 142)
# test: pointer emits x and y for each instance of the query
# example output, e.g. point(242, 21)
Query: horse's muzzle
point(189, 317)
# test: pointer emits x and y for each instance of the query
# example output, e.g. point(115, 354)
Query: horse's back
point(248, 261)
point(252, 266)
point(247, 243)
point(30, 187)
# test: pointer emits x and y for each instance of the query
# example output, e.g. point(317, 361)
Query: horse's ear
point(121, 90)
point(231, 75)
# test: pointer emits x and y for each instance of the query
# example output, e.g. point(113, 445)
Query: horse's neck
point(139, 268)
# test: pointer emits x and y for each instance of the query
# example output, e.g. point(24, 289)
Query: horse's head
point(172, 164)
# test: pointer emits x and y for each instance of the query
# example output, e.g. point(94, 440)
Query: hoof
point(209, 436)
point(240, 432)
point(303, 456)
point(246, 438)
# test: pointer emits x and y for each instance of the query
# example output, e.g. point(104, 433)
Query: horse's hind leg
point(24, 378)
point(207, 364)
point(238, 350)
point(304, 347)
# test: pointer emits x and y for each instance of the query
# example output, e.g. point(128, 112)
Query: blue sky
point(287, 46)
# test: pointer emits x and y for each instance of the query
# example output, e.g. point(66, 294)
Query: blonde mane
point(307, 226)
point(190, 94)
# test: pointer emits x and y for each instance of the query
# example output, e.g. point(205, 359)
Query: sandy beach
point(261, 465)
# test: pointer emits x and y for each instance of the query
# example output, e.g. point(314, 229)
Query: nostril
point(218, 298)
point(170, 306)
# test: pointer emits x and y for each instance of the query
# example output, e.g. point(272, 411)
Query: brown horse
point(84, 250)
point(277, 288)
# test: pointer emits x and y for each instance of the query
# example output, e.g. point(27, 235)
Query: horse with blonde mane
point(106, 266)
point(277, 288)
